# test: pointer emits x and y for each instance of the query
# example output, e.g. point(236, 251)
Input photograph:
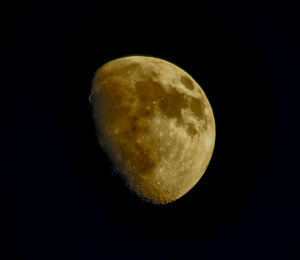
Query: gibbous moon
point(155, 123)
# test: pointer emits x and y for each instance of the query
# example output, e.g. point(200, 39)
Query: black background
point(59, 197)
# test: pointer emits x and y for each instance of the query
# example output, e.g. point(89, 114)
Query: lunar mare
point(155, 123)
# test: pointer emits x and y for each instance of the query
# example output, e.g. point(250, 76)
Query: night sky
point(59, 196)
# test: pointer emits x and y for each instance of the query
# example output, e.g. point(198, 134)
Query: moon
point(156, 125)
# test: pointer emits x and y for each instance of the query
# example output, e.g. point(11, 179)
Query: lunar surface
point(155, 123)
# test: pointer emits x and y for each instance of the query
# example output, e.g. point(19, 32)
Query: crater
point(187, 82)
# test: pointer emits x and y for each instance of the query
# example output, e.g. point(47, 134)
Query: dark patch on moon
point(171, 103)
point(187, 82)
point(191, 129)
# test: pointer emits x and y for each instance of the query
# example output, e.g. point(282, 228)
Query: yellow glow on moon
point(155, 123)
